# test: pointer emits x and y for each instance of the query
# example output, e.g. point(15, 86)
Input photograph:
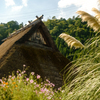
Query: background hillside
point(7, 28)
point(72, 26)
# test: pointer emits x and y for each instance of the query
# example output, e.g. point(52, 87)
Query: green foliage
point(6, 28)
point(72, 26)
point(83, 77)
point(22, 87)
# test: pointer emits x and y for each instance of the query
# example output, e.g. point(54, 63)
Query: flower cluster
point(24, 87)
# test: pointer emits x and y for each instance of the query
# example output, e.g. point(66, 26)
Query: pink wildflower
point(52, 93)
point(13, 77)
point(31, 81)
point(36, 91)
point(52, 84)
point(27, 79)
point(46, 84)
point(34, 83)
point(41, 82)
point(9, 76)
point(32, 73)
point(49, 97)
point(37, 85)
point(17, 71)
point(42, 90)
point(19, 75)
point(23, 72)
point(59, 88)
point(24, 65)
point(0, 80)
point(38, 76)
point(47, 80)
point(62, 91)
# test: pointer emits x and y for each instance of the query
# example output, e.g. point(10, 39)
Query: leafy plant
point(27, 88)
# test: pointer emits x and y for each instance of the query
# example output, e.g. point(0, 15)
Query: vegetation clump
point(27, 88)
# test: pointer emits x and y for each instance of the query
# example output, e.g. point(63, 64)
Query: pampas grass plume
point(91, 21)
point(71, 41)
point(97, 12)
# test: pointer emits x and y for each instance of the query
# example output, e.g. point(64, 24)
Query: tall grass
point(83, 77)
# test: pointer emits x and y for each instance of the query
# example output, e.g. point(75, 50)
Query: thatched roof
point(43, 59)
point(24, 33)
point(4, 47)
point(44, 62)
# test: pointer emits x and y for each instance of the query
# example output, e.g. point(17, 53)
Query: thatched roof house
point(33, 46)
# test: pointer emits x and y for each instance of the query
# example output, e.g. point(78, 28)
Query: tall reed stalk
point(83, 77)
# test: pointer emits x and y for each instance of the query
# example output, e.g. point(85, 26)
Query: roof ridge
point(25, 27)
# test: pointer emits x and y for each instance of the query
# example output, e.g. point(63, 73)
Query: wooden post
point(41, 17)
point(29, 22)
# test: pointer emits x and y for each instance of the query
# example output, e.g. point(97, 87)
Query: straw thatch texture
point(4, 47)
point(45, 60)
point(42, 61)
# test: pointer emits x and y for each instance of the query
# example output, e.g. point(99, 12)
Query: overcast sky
point(25, 10)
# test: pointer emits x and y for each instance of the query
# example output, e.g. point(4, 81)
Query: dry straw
point(84, 75)
point(91, 21)
point(98, 2)
point(71, 41)
point(97, 12)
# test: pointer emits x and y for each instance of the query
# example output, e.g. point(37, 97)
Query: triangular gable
point(25, 33)
point(38, 34)
point(37, 38)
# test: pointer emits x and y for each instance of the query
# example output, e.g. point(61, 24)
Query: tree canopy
point(7, 28)
point(72, 26)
